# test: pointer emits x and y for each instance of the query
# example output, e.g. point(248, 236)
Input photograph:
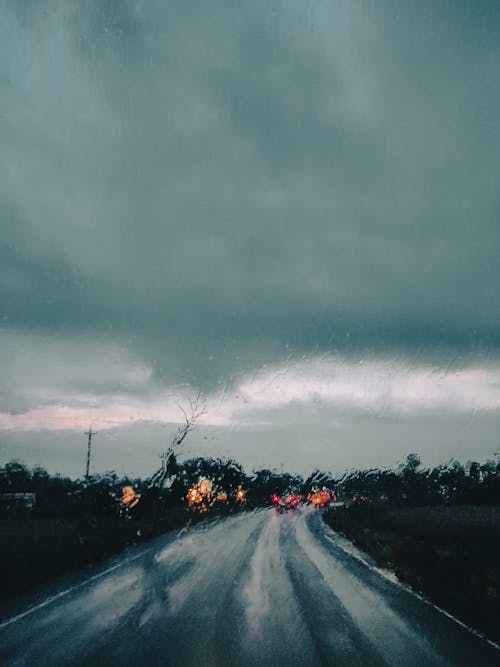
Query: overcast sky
point(292, 206)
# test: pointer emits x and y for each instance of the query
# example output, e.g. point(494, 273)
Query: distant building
point(15, 502)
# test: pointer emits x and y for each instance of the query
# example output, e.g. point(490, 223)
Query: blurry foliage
point(409, 484)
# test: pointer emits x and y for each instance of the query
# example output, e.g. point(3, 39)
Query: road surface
point(253, 589)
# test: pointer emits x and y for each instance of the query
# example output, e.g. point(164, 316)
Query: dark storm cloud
point(211, 186)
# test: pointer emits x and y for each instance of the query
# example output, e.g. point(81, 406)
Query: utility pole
point(90, 433)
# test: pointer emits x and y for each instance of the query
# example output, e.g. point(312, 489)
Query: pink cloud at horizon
point(366, 385)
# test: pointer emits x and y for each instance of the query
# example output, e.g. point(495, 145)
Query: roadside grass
point(35, 550)
point(450, 554)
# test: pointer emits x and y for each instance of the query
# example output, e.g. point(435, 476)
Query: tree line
point(408, 484)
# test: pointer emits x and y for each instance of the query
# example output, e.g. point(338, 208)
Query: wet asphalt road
point(254, 589)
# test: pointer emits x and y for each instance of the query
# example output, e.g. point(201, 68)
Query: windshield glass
point(249, 268)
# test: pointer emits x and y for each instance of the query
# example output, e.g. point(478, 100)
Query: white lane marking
point(76, 587)
point(390, 633)
point(178, 536)
point(199, 528)
point(390, 576)
point(99, 575)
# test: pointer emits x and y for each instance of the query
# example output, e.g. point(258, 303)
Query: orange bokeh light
point(319, 498)
point(129, 497)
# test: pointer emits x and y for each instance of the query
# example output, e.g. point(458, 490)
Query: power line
point(90, 433)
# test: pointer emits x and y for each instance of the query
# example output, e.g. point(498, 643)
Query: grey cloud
point(212, 186)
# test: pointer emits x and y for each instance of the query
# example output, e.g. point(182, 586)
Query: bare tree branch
point(197, 408)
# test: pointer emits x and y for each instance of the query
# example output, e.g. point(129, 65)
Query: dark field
point(35, 550)
point(451, 554)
